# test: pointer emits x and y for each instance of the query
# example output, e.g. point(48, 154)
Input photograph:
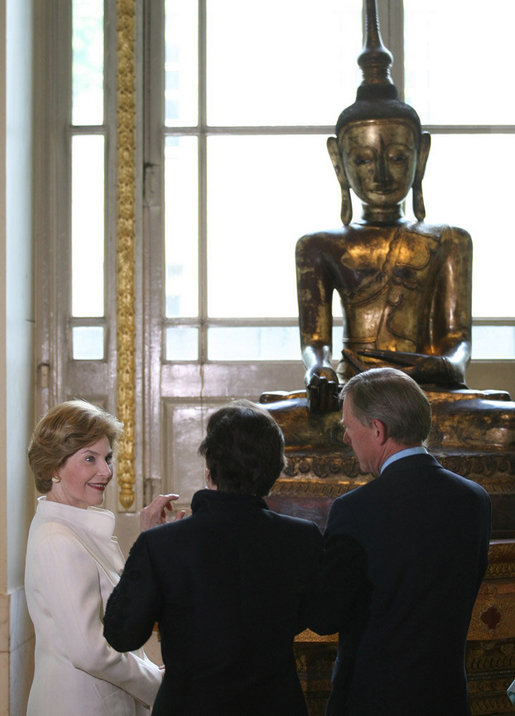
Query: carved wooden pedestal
point(491, 637)
point(307, 488)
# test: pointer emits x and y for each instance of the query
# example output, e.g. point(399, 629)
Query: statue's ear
point(418, 198)
point(423, 153)
point(336, 159)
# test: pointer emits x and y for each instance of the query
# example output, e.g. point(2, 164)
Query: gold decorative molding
point(310, 637)
point(329, 474)
point(501, 560)
point(125, 232)
point(488, 705)
point(493, 616)
point(315, 487)
point(490, 667)
point(486, 658)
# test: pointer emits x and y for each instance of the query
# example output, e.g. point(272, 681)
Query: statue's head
point(379, 150)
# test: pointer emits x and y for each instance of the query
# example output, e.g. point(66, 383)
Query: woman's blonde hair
point(66, 428)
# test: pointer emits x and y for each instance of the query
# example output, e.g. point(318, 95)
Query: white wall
point(16, 328)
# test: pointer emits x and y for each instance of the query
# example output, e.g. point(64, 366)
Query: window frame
point(392, 27)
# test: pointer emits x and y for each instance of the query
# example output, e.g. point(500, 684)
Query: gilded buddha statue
point(404, 285)
point(405, 289)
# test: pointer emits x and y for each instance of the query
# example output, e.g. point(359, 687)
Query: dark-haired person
point(405, 556)
point(72, 564)
point(230, 586)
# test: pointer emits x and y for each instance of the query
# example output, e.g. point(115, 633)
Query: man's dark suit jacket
point(405, 556)
point(230, 587)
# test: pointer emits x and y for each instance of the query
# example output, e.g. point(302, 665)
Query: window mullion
point(202, 181)
point(395, 41)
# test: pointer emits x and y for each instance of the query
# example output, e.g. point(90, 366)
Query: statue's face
point(380, 159)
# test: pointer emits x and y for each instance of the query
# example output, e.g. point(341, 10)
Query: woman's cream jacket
point(73, 562)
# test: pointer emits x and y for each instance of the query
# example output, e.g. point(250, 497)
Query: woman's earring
point(56, 479)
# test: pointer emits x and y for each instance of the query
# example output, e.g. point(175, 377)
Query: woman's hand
point(155, 513)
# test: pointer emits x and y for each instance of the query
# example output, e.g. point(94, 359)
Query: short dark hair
point(391, 396)
point(243, 449)
point(66, 428)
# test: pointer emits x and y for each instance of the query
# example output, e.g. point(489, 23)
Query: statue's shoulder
point(350, 232)
point(329, 240)
point(328, 235)
point(440, 232)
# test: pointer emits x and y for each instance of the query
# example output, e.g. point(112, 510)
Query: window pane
point(459, 58)
point(88, 343)
point(181, 227)
point(337, 339)
point(493, 342)
point(88, 62)
point(181, 63)
point(87, 226)
point(181, 343)
point(263, 194)
point(468, 179)
point(253, 343)
point(184, 428)
point(287, 62)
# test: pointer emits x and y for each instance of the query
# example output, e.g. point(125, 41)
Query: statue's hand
point(322, 389)
point(352, 359)
point(425, 369)
point(437, 370)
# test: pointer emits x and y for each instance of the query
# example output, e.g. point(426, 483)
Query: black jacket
point(230, 587)
point(405, 556)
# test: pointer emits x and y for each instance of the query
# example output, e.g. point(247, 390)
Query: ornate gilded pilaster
point(126, 347)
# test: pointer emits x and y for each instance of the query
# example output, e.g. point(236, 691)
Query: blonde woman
point(73, 562)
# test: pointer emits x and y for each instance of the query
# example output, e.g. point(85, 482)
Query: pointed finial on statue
point(375, 59)
point(377, 96)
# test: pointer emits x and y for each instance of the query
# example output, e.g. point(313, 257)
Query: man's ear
point(337, 162)
point(381, 431)
point(209, 482)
